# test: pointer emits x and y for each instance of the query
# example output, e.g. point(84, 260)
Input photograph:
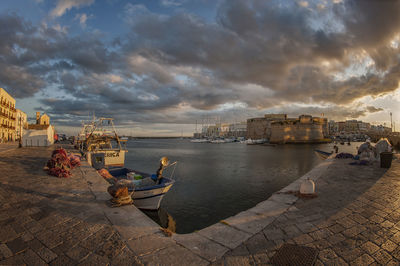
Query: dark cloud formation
point(257, 55)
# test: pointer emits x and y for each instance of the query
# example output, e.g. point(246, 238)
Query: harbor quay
point(354, 218)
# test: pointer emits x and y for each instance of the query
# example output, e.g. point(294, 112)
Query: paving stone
point(336, 238)
point(7, 233)
point(320, 234)
point(5, 252)
point(274, 233)
point(349, 254)
point(14, 260)
point(62, 260)
point(370, 247)
point(303, 239)
point(31, 258)
point(389, 246)
point(202, 246)
point(364, 259)
point(150, 244)
point(168, 257)
point(78, 253)
point(46, 254)
point(17, 245)
point(336, 228)
point(382, 257)
point(327, 255)
point(239, 261)
point(126, 258)
point(112, 247)
point(261, 258)
point(94, 259)
point(306, 227)
point(249, 222)
point(225, 235)
point(292, 231)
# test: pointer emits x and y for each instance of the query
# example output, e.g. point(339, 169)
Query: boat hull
point(114, 158)
point(323, 154)
point(150, 199)
point(147, 197)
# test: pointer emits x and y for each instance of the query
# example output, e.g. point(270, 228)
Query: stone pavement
point(4, 147)
point(354, 220)
point(47, 220)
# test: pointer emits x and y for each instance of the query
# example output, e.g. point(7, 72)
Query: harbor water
point(216, 181)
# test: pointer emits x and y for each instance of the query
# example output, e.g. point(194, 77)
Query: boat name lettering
point(112, 154)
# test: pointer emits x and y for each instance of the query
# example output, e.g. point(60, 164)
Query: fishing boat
point(323, 154)
point(147, 194)
point(102, 147)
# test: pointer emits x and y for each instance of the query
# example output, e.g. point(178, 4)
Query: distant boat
point(256, 141)
point(199, 140)
point(323, 154)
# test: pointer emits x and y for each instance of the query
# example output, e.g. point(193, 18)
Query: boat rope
point(173, 170)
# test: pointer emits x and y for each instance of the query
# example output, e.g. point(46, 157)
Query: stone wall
point(282, 132)
point(258, 128)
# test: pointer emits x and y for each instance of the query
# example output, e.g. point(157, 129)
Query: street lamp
point(20, 132)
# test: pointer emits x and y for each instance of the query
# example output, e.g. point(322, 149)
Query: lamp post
point(20, 132)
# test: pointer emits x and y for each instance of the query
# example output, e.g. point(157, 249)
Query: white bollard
point(307, 187)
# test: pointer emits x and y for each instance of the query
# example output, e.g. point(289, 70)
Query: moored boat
point(103, 147)
point(147, 191)
point(323, 154)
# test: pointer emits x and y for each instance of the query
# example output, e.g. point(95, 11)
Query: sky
point(161, 67)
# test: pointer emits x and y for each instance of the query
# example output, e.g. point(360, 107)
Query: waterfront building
point(7, 116)
point(238, 130)
point(38, 135)
point(351, 126)
point(363, 127)
point(260, 127)
point(333, 128)
point(305, 129)
point(223, 130)
point(21, 123)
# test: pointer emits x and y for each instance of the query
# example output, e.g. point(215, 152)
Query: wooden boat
point(103, 147)
point(147, 192)
point(323, 154)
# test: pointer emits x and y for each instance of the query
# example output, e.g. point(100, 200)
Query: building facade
point(21, 123)
point(7, 117)
point(305, 129)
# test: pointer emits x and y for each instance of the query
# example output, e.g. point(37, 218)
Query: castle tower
point(37, 118)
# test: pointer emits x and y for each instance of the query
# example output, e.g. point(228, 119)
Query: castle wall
point(282, 132)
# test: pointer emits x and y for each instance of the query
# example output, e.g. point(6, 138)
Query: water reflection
point(163, 218)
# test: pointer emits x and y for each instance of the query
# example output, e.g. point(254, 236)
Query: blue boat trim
point(152, 196)
point(323, 152)
point(154, 187)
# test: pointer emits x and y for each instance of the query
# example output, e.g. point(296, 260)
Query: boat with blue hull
point(323, 154)
point(147, 190)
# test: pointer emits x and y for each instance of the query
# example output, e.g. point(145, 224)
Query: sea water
point(216, 181)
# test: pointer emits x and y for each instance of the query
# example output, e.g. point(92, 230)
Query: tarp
point(383, 145)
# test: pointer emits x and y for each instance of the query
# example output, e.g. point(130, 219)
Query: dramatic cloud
point(254, 57)
point(65, 5)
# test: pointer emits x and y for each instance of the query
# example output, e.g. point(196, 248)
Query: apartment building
point(7, 117)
